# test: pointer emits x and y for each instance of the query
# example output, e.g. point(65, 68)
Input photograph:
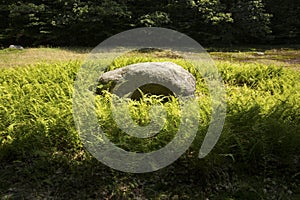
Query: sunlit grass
point(32, 56)
point(279, 57)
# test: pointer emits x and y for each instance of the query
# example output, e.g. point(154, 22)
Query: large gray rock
point(158, 78)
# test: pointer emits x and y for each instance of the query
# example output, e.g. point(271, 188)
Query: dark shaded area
point(87, 23)
point(151, 89)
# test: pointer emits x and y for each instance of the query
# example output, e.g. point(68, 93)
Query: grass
point(42, 157)
point(285, 57)
point(14, 57)
point(279, 57)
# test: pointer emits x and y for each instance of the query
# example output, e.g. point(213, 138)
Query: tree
point(251, 21)
point(285, 23)
point(88, 22)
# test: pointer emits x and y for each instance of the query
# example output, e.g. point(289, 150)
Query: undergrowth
point(260, 142)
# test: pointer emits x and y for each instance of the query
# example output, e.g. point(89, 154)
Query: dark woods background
point(88, 22)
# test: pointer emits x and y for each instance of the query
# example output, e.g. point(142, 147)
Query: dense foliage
point(88, 22)
point(257, 156)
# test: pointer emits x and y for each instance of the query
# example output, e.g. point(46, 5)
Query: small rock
point(260, 53)
point(12, 46)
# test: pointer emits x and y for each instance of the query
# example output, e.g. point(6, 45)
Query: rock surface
point(159, 78)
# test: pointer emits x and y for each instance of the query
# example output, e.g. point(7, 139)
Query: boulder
point(155, 78)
